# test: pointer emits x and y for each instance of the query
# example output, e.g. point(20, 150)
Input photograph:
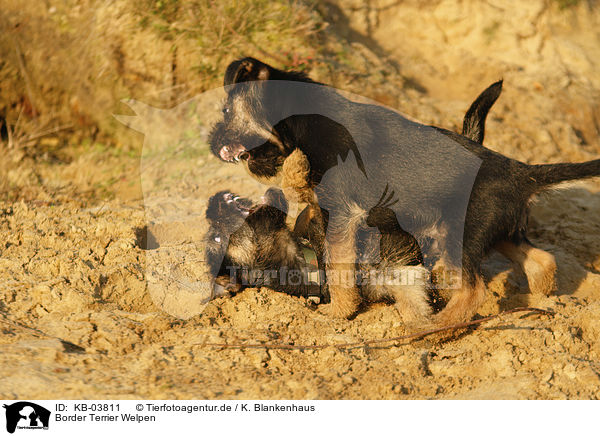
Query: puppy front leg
point(295, 180)
point(341, 258)
point(340, 241)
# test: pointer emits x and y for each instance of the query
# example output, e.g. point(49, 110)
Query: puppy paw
point(541, 275)
point(223, 288)
point(344, 302)
point(332, 311)
point(417, 322)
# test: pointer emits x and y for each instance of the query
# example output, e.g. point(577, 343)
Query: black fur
point(226, 213)
point(249, 69)
point(474, 121)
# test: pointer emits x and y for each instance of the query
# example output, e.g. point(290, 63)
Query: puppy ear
point(274, 197)
point(246, 70)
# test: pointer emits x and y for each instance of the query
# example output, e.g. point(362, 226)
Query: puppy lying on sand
point(250, 245)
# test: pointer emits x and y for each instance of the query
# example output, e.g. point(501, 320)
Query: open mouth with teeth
point(243, 205)
point(234, 153)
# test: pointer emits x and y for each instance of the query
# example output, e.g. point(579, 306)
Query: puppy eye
point(225, 110)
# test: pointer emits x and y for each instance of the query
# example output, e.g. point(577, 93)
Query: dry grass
point(26, 133)
point(70, 62)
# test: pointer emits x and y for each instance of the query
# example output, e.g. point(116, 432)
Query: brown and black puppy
point(313, 220)
point(465, 197)
point(250, 245)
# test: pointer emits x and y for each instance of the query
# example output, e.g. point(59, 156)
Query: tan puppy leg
point(345, 296)
point(303, 222)
point(409, 293)
point(463, 304)
point(538, 265)
point(413, 307)
point(340, 247)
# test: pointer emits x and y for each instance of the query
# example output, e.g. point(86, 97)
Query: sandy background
point(77, 317)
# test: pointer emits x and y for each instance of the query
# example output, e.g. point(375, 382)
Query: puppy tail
point(550, 174)
point(474, 121)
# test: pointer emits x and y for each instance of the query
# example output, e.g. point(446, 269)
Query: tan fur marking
point(411, 299)
point(538, 265)
point(295, 178)
point(412, 305)
point(303, 221)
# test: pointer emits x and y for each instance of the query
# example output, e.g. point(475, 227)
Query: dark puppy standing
point(246, 237)
point(467, 197)
point(264, 121)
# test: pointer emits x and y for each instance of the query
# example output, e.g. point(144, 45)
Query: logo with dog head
point(26, 415)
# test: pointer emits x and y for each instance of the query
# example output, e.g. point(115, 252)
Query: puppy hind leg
point(413, 306)
point(538, 265)
point(407, 286)
point(463, 303)
point(411, 297)
point(540, 269)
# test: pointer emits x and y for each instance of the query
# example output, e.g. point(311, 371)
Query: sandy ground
point(79, 318)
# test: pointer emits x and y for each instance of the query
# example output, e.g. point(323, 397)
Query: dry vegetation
point(70, 62)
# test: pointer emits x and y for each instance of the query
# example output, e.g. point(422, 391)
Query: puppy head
point(254, 105)
point(227, 145)
point(237, 226)
point(226, 213)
